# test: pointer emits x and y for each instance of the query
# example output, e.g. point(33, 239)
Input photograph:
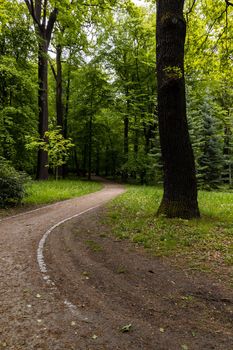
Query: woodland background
point(102, 58)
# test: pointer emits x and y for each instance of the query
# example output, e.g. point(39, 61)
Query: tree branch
point(53, 69)
point(31, 10)
point(228, 3)
point(191, 7)
point(51, 21)
point(44, 12)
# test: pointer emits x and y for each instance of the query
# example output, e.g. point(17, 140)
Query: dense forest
point(116, 174)
point(101, 114)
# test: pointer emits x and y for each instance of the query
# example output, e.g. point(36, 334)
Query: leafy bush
point(11, 184)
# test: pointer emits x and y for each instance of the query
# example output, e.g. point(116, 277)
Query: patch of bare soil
point(127, 299)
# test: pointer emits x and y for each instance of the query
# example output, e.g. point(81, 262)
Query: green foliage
point(207, 135)
point(18, 88)
point(173, 73)
point(58, 148)
point(56, 145)
point(109, 77)
point(12, 183)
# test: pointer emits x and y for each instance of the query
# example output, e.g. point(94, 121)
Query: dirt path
point(114, 284)
point(97, 285)
point(33, 313)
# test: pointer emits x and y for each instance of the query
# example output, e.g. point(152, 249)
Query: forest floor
point(102, 292)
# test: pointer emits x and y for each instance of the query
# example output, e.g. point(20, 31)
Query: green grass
point(44, 192)
point(94, 246)
point(205, 244)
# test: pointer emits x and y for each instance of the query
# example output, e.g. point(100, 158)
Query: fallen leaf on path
point(184, 347)
point(126, 328)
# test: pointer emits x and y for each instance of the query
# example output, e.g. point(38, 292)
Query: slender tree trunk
point(97, 167)
point(90, 148)
point(42, 160)
point(76, 163)
point(59, 104)
point(84, 166)
point(65, 119)
point(180, 190)
point(136, 137)
point(43, 26)
point(59, 93)
point(3, 104)
point(67, 103)
point(126, 147)
point(126, 138)
point(107, 161)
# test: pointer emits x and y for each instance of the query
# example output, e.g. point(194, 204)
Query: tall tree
point(180, 189)
point(44, 24)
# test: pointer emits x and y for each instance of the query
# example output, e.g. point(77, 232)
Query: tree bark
point(76, 163)
point(42, 160)
point(59, 95)
point(97, 167)
point(43, 27)
point(65, 120)
point(67, 105)
point(180, 189)
point(90, 147)
point(59, 92)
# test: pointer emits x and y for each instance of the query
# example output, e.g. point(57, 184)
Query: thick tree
point(180, 189)
point(44, 26)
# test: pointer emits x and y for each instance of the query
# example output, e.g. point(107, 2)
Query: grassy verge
point(204, 244)
point(50, 191)
point(44, 192)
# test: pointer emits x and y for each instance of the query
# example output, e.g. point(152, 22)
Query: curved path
point(33, 314)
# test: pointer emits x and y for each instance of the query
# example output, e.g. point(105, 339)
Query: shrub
point(11, 184)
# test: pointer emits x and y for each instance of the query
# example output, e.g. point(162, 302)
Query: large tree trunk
point(42, 163)
point(180, 190)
